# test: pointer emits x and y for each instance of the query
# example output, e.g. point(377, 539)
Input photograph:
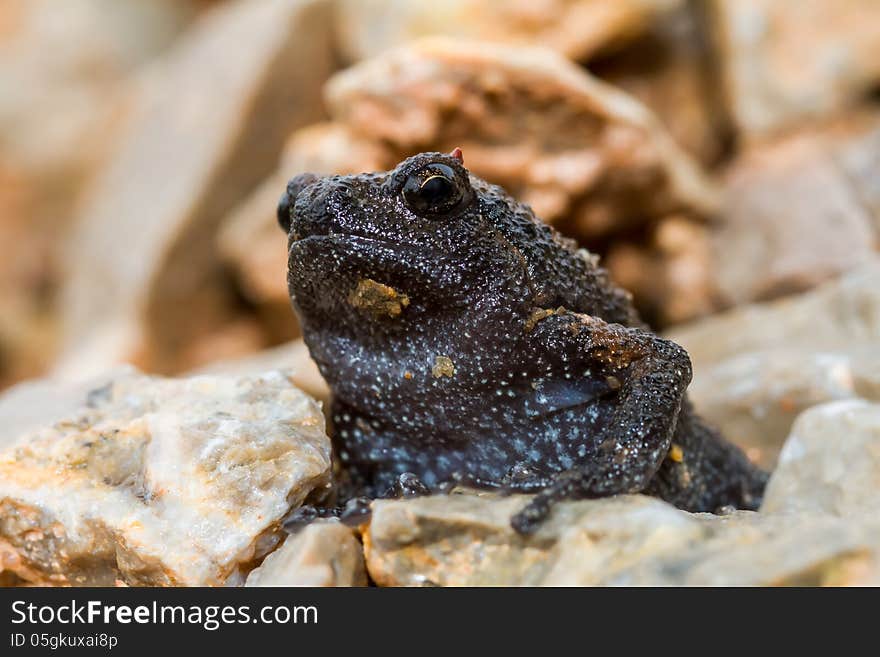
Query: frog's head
point(379, 254)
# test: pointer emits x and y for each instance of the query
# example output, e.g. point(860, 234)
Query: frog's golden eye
point(433, 190)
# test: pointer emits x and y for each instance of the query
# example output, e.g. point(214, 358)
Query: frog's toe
point(528, 520)
point(407, 485)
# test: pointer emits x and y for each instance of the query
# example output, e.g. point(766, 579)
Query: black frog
point(466, 342)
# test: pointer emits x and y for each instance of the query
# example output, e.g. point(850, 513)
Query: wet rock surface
point(160, 482)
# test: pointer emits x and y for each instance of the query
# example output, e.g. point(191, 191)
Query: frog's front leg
point(646, 378)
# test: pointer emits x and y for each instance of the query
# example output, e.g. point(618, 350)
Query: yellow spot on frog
point(676, 453)
point(540, 313)
point(613, 382)
point(378, 299)
point(443, 366)
point(407, 375)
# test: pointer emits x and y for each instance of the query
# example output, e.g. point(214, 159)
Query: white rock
point(324, 553)
point(755, 397)
point(293, 357)
point(621, 541)
point(757, 367)
point(753, 549)
point(38, 403)
point(466, 540)
point(831, 462)
point(161, 481)
point(838, 315)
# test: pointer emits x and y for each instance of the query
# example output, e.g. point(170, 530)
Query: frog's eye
point(434, 190)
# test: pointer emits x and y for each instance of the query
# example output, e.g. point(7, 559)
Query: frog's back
point(561, 274)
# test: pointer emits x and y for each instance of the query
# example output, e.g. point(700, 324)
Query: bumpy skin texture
point(465, 341)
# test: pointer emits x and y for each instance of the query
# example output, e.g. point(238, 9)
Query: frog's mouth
point(335, 264)
point(346, 251)
point(341, 239)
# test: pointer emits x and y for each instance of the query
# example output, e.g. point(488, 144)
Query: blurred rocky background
point(721, 156)
point(714, 152)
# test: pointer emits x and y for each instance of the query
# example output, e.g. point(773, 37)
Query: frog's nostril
point(288, 198)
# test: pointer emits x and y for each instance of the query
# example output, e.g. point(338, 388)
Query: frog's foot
point(305, 515)
point(354, 512)
point(407, 485)
point(531, 517)
point(568, 485)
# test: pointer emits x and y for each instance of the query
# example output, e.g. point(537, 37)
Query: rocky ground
point(721, 157)
point(186, 481)
point(160, 481)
